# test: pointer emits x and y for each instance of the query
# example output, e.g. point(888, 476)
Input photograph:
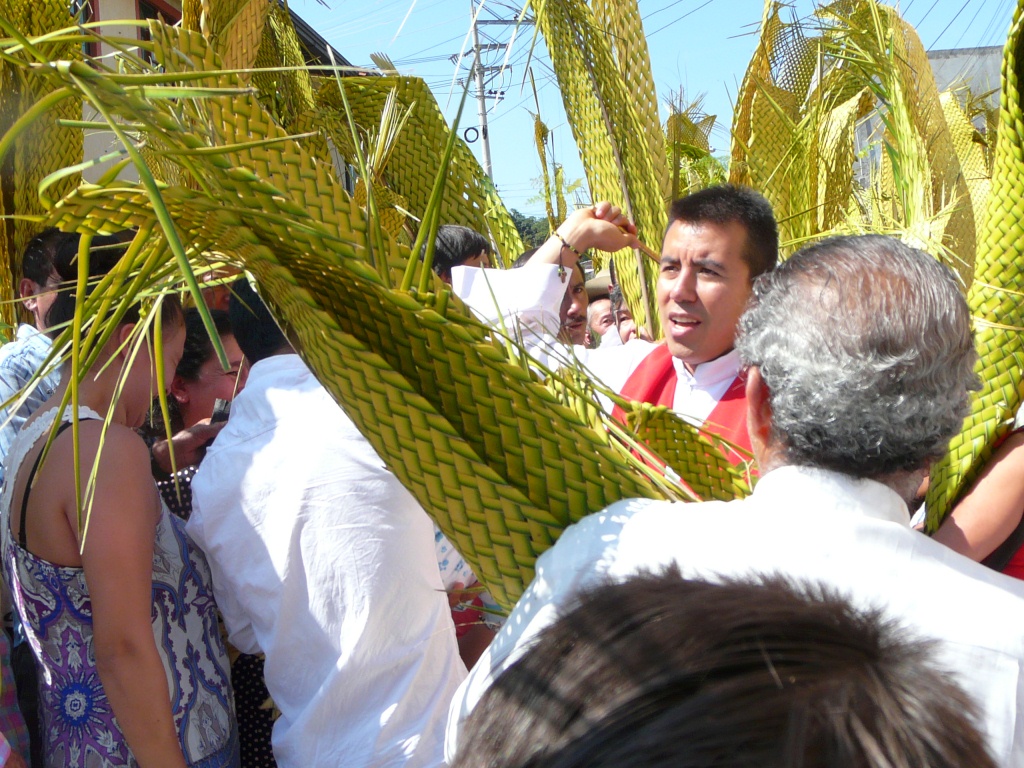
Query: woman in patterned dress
point(121, 620)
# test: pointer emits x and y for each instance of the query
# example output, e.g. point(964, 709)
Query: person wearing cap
point(718, 240)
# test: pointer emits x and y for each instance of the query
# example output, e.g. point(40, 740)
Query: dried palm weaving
point(994, 297)
point(502, 462)
point(496, 457)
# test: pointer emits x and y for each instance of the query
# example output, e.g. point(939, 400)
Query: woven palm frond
point(490, 452)
point(621, 19)
point(994, 297)
point(806, 92)
point(233, 27)
point(469, 196)
point(540, 139)
point(973, 151)
point(688, 147)
point(611, 125)
point(47, 148)
point(287, 94)
point(922, 177)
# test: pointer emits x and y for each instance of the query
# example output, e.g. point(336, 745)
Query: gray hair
point(866, 348)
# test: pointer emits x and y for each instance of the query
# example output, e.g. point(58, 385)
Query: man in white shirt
point(718, 240)
point(323, 561)
point(860, 357)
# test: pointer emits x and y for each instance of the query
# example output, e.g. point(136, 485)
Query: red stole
point(654, 381)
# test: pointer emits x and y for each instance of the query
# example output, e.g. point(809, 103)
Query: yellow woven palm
point(995, 297)
point(615, 124)
point(50, 147)
point(494, 455)
point(469, 197)
point(795, 139)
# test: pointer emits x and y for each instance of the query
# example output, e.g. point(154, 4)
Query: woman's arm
point(118, 562)
point(992, 508)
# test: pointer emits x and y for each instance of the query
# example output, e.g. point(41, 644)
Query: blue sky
point(701, 46)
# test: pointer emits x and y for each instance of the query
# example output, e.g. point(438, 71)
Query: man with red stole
point(718, 240)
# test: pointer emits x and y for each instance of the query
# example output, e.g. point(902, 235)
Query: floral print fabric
point(79, 727)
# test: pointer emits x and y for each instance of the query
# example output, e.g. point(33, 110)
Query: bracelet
point(565, 244)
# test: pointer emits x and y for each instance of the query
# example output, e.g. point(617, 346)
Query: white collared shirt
point(808, 524)
point(323, 561)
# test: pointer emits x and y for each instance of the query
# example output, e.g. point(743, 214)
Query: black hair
point(198, 345)
point(257, 333)
point(104, 253)
point(38, 259)
point(728, 203)
point(454, 245)
point(660, 672)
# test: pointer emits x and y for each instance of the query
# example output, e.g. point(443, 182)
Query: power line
point(962, 9)
point(688, 13)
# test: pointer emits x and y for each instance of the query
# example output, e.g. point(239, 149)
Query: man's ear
point(759, 410)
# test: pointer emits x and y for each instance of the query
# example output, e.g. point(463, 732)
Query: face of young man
point(703, 287)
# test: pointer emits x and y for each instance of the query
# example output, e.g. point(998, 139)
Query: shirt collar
point(724, 368)
point(831, 492)
point(26, 331)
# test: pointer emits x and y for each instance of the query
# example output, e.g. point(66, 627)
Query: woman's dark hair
point(104, 253)
point(198, 345)
point(198, 349)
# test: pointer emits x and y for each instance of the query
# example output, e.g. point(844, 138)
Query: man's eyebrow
point(712, 263)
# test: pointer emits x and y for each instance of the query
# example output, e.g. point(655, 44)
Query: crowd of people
point(259, 589)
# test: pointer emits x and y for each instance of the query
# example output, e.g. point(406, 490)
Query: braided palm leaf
point(469, 196)
point(629, 46)
point(612, 128)
point(495, 456)
point(802, 98)
point(288, 94)
point(994, 297)
point(47, 148)
point(922, 176)
point(794, 130)
point(972, 151)
point(233, 27)
point(688, 148)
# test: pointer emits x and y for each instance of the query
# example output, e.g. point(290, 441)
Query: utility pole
point(481, 97)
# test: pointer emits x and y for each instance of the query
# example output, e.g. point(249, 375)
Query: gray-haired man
point(860, 358)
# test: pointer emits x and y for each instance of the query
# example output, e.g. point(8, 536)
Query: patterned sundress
point(79, 727)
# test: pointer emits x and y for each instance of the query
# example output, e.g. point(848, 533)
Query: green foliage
point(534, 230)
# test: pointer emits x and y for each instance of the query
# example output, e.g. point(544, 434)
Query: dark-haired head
point(727, 204)
point(456, 246)
point(200, 380)
point(104, 253)
point(661, 672)
point(257, 333)
point(39, 278)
